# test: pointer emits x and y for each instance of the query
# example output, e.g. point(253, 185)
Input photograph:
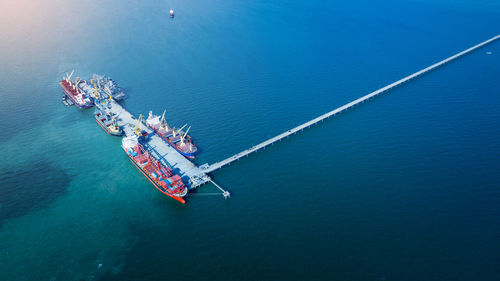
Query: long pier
point(215, 166)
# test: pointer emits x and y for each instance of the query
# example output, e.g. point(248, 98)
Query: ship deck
point(192, 175)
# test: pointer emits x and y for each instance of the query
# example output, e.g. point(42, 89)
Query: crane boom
point(138, 126)
point(163, 117)
point(181, 128)
point(69, 76)
point(178, 131)
point(186, 132)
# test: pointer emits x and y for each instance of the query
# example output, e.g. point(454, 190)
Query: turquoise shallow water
point(404, 187)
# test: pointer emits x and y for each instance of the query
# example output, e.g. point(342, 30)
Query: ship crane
point(138, 126)
point(184, 136)
point(68, 77)
point(163, 124)
point(163, 117)
point(178, 131)
point(108, 91)
point(96, 93)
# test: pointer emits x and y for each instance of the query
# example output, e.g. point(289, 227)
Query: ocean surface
point(403, 187)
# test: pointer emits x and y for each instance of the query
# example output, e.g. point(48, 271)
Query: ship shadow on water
point(30, 189)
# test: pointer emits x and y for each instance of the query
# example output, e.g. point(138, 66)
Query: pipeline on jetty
point(215, 166)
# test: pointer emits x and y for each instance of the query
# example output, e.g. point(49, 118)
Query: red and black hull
point(70, 96)
point(161, 189)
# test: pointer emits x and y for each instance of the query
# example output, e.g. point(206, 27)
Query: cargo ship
point(178, 139)
point(74, 93)
point(160, 176)
point(104, 86)
point(107, 123)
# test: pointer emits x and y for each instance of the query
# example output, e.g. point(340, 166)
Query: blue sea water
point(404, 187)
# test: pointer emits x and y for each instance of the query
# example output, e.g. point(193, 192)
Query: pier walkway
point(210, 168)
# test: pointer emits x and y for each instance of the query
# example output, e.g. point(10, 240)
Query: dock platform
point(192, 175)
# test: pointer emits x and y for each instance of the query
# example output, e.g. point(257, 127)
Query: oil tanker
point(74, 93)
point(160, 176)
point(177, 138)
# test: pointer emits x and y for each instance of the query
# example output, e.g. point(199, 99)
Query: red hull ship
point(159, 175)
point(74, 93)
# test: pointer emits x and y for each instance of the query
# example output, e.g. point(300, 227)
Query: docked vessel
point(107, 122)
point(74, 93)
point(103, 85)
point(160, 176)
point(177, 138)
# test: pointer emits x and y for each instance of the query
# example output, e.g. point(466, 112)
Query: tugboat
point(178, 139)
point(74, 93)
point(160, 176)
point(107, 123)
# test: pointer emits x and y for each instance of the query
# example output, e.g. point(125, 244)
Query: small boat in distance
point(162, 177)
point(171, 13)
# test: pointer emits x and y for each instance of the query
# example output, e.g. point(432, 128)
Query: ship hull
point(161, 189)
point(190, 155)
point(70, 96)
